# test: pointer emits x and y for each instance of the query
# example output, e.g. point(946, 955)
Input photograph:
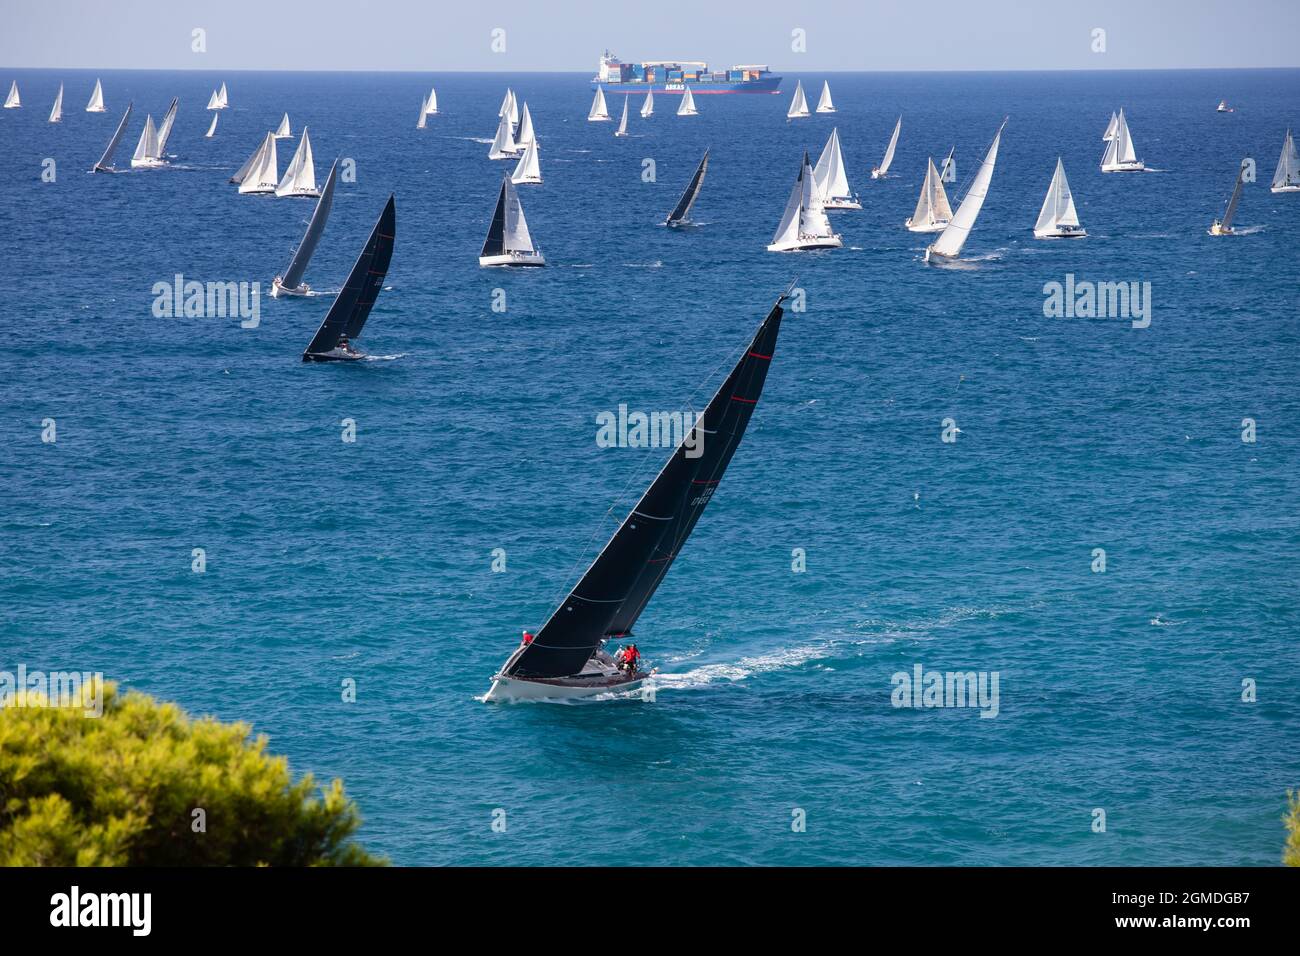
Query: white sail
point(264, 175)
point(799, 104)
point(13, 101)
point(249, 163)
point(503, 144)
point(300, 175)
point(146, 150)
point(424, 114)
point(213, 128)
point(504, 108)
point(214, 103)
point(96, 104)
point(529, 169)
point(1120, 154)
point(516, 237)
point(526, 134)
point(1286, 178)
point(622, 124)
point(165, 130)
point(687, 107)
point(1058, 205)
point(953, 238)
point(284, 132)
point(1126, 152)
point(829, 175)
point(431, 106)
point(56, 114)
point(648, 107)
point(932, 209)
point(824, 104)
point(599, 112)
point(514, 110)
point(812, 211)
point(788, 230)
point(222, 97)
point(883, 169)
point(1107, 136)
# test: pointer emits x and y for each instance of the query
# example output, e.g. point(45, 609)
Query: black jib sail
point(348, 314)
point(679, 215)
point(495, 243)
point(105, 164)
point(609, 598)
point(298, 265)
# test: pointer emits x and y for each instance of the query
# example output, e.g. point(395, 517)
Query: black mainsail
point(352, 306)
point(678, 215)
point(495, 243)
point(105, 164)
point(298, 265)
point(611, 595)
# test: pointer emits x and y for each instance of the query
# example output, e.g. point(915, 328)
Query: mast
point(105, 163)
point(682, 210)
point(610, 596)
point(954, 236)
point(347, 316)
point(292, 277)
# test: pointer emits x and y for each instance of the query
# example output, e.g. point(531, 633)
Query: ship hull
point(768, 84)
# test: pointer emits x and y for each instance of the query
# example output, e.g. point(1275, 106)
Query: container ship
point(676, 76)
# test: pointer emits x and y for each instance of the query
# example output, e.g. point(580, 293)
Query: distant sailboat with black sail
point(681, 214)
point(508, 241)
point(798, 104)
point(831, 180)
point(300, 175)
point(932, 210)
point(567, 659)
point(1058, 218)
point(1223, 227)
point(948, 245)
point(1286, 178)
point(824, 103)
point(96, 104)
point(105, 164)
point(334, 339)
point(881, 171)
point(291, 282)
point(599, 111)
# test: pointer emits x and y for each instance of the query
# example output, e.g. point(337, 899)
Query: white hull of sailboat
point(1137, 166)
point(529, 180)
point(514, 688)
point(806, 242)
point(877, 174)
point(149, 162)
point(513, 259)
point(841, 202)
point(1219, 229)
point(1061, 232)
point(939, 225)
point(279, 289)
point(299, 193)
point(1286, 189)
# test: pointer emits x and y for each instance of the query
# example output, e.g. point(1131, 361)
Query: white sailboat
point(424, 115)
point(508, 241)
point(214, 101)
point(799, 104)
point(948, 171)
point(529, 169)
point(503, 144)
point(213, 128)
point(431, 105)
point(504, 108)
point(249, 163)
point(622, 124)
point(146, 150)
point(56, 114)
point(1223, 107)
point(264, 175)
point(1120, 156)
point(13, 101)
point(804, 224)
point(223, 99)
point(1113, 125)
point(1058, 218)
point(648, 107)
point(1223, 227)
point(830, 178)
point(526, 134)
point(1286, 178)
point(687, 107)
point(881, 171)
point(932, 210)
point(950, 241)
point(96, 104)
point(599, 112)
point(824, 104)
point(283, 131)
point(300, 175)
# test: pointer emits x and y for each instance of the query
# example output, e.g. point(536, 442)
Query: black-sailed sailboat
point(351, 308)
point(566, 658)
point(680, 216)
point(105, 164)
point(290, 283)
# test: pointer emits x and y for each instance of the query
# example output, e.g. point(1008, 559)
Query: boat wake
point(386, 358)
point(1247, 230)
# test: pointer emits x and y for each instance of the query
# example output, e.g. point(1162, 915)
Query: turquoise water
point(373, 560)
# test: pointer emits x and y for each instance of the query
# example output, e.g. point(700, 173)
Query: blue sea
point(372, 561)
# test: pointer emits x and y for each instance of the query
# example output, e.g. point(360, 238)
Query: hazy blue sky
point(559, 35)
